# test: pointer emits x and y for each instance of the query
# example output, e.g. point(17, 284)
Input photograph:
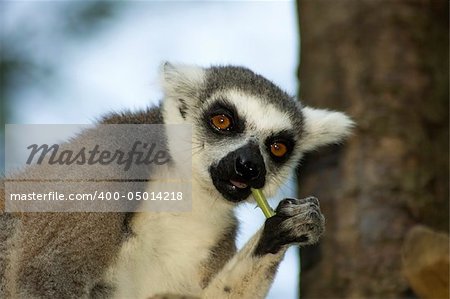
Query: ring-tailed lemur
point(247, 133)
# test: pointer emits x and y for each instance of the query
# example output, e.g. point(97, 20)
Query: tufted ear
point(322, 127)
point(181, 86)
point(181, 79)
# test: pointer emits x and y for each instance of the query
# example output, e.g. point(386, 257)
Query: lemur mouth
point(233, 189)
point(238, 184)
point(235, 173)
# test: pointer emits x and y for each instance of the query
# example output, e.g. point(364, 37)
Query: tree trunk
point(386, 64)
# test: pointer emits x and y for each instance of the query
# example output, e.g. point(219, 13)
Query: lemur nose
point(246, 168)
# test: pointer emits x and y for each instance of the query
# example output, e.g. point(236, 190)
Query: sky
point(86, 71)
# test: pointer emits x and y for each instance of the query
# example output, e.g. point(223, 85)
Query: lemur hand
point(296, 221)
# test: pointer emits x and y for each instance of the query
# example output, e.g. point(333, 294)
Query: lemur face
point(247, 132)
point(250, 142)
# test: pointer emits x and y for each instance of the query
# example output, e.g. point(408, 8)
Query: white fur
point(323, 127)
point(168, 248)
point(248, 276)
point(261, 117)
point(180, 75)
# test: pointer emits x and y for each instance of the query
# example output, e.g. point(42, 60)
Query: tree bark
point(385, 63)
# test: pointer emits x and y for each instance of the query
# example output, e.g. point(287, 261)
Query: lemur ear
point(181, 79)
point(322, 127)
point(181, 85)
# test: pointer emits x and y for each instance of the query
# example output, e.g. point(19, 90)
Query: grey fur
point(64, 255)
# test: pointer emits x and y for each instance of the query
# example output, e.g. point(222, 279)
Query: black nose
point(246, 168)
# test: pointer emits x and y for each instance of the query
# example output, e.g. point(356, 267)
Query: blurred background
point(384, 193)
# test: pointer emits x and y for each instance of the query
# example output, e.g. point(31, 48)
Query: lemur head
point(247, 132)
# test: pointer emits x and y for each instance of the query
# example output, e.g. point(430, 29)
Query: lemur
point(248, 133)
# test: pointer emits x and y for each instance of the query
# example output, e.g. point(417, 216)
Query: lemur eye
point(278, 149)
point(221, 122)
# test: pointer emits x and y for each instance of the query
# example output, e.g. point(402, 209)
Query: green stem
point(262, 203)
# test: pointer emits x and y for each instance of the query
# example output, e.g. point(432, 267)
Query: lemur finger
point(291, 206)
point(312, 225)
